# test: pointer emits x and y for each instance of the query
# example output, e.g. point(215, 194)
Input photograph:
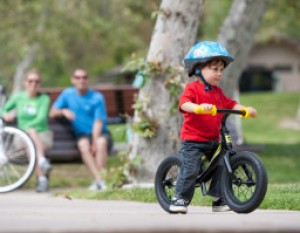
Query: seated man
point(86, 110)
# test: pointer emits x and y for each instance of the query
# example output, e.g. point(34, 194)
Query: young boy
point(200, 133)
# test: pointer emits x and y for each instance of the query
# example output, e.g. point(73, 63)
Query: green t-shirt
point(32, 112)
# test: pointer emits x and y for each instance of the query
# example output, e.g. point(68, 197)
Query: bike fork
point(227, 162)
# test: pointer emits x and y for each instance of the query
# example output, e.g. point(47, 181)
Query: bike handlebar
point(244, 112)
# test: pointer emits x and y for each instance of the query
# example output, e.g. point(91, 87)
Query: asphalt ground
point(30, 212)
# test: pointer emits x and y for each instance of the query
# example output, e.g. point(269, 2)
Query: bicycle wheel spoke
point(17, 155)
point(20, 153)
point(170, 181)
point(244, 182)
point(6, 177)
point(14, 171)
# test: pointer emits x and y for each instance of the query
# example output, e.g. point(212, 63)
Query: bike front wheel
point(165, 181)
point(17, 159)
point(246, 187)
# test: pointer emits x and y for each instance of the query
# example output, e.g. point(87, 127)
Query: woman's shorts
point(47, 139)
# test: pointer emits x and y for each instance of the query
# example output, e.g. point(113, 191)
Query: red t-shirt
point(199, 127)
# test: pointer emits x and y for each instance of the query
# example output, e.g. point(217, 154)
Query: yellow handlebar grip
point(201, 110)
point(214, 110)
point(247, 113)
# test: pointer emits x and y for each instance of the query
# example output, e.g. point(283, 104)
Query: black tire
point(244, 193)
point(165, 180)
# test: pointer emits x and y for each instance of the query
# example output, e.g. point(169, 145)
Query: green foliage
point(215, 12)
point(114, 174)
point(281, 17)
point(283, 197)
point(144, 125)
point(119, 168)
point(89, 34)
point(118, 132)
point(147, 126)
point(73, 34)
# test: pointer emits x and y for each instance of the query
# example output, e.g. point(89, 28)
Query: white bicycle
point(17, 157)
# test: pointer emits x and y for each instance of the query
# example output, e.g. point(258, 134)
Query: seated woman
point(31, 108)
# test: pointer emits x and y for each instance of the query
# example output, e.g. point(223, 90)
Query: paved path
point(29, 212)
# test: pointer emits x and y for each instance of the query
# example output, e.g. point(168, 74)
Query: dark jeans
point(191, 153)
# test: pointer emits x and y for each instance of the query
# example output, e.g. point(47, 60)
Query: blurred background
point(55, 36)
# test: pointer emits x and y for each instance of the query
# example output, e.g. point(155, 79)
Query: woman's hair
point(32, 71)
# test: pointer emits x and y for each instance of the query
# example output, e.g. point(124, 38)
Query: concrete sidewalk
point(28, 212)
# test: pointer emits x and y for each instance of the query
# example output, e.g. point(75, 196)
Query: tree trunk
point(237, 35)
point(27, 61)
point(22, 67)
point(174, 33)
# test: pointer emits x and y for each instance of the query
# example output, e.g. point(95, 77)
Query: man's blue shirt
point(87, 109)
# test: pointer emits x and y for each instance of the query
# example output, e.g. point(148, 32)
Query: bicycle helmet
point(202, 53)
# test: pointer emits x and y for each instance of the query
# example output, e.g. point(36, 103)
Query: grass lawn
point(281, 156)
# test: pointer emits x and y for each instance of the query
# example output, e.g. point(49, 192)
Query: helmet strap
point(199, 74)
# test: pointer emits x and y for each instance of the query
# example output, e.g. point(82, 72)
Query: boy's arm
point(191, 107)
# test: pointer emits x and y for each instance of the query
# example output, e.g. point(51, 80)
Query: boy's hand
point(250, 112)
point(205, 109)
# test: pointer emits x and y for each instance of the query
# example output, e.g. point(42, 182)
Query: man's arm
point(59, 108)
point(55, 112)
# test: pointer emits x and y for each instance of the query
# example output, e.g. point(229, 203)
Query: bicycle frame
point(224, 151)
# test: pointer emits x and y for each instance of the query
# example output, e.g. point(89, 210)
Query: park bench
point(119, 100)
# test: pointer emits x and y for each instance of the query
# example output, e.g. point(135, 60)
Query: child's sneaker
point(178, 206)
point(220, 206)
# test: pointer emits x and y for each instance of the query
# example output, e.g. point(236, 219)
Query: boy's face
point(213, 72)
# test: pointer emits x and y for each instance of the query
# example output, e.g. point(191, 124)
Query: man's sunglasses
point(81, 77)
point(33, 81)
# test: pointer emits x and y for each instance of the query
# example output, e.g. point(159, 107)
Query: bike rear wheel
point(165, 181)
point(246, 188)
point(17, 159)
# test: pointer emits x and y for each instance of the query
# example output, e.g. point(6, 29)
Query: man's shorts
point(107, 135)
